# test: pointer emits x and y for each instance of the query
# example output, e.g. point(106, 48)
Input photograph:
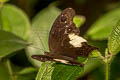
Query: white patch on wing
point(62, 61)
point(76, 40)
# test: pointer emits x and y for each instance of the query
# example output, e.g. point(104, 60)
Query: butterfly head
point(41, 58)
point(64, 22)
point(67, 15)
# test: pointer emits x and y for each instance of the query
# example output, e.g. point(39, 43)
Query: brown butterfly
point(65, 44)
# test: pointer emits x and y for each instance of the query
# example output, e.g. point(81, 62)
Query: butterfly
point(65, 44)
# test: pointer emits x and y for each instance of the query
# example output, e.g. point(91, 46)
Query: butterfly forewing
point(62, 27)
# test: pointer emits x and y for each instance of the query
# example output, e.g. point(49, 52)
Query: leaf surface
point(10, 43)
point(114, 40)
point(14, 20)
point(102, 28)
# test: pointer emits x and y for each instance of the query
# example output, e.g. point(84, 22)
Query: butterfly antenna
point(37, 48)
point(40, 40)
point(44, 32)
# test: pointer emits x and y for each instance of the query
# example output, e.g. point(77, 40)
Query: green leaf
point(78, 20)
point(45, 71)
point(91, 65)
point(41, 25)
point(100, 44)
point(66, 72)
point(28, 73)
point(26, 77)
point(95, 54)
point(101, 29)
point(82, 59)
point(51, 71)
point(14, 20)
point(4, 71)
point(114, 40)
point(10, 43)
point(27, 70)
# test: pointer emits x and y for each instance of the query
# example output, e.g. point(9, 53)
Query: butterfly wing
point(64, 43)
point(62, 27)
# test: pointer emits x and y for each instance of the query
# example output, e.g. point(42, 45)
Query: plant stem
point(10, 70)
point(107, 64)
point(107, 70)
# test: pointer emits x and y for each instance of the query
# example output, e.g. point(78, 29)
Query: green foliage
point(14, 30)
point(27, 70)
point(10, 43)
point(102, 28)
point(95, 54)
point(45, 71)
point(28, 73)
point(4, 71)
point(114, 40)
point(14, 20)
point(79, 20)
point(16, 33)
point(66, 72)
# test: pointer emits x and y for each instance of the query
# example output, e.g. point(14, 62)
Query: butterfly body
point(64, 43)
